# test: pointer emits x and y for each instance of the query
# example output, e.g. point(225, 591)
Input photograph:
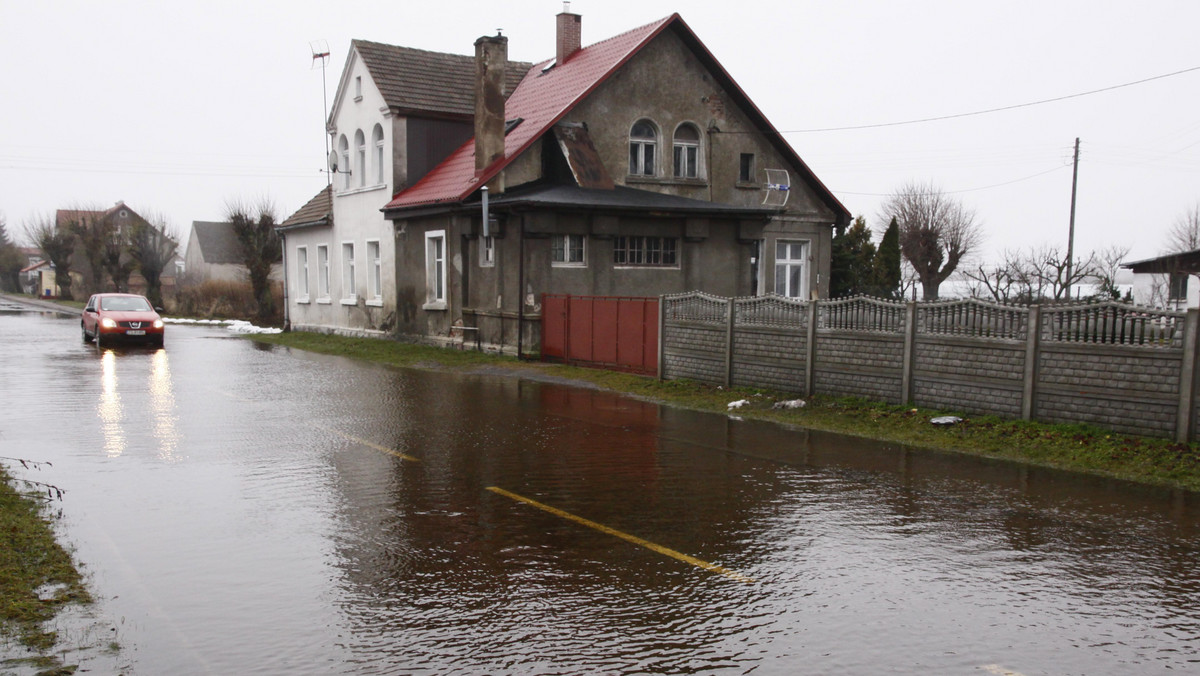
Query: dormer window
point(643, 140)
point(687, 152)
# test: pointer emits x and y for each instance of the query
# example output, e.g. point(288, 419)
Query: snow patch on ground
point(234, 325)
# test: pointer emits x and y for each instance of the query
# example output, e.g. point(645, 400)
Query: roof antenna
point(566, 6)
point(320, 50)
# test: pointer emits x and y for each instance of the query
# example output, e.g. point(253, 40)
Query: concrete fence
point(1122, 367)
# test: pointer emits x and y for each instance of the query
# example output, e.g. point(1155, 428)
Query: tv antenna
point(777, 188)
point(320, 51)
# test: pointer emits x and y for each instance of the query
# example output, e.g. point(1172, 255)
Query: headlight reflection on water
point(162, 405)
point(109, 407)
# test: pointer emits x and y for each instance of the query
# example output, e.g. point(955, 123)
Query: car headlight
point(108, 323)
point(158, 324)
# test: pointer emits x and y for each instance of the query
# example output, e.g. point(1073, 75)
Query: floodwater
point(254, 510)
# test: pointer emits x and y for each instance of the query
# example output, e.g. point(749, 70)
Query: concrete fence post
point(662, 335)
point(910, 350)
point(1033, 340)
point(811, 348)
point(729, 317)
point(1187, 378)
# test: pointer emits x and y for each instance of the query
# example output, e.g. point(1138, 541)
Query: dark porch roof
point(621, 199)
point(1183, 262)
point(317, 212)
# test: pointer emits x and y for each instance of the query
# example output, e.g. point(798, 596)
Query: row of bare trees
point(1042, 273)
point(106, 252)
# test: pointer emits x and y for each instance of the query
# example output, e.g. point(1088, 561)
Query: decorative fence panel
point(1127, 368)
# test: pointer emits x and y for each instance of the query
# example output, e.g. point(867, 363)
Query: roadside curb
point(41, 304)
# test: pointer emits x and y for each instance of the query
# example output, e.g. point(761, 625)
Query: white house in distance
point(396, 114)
point(213, 255)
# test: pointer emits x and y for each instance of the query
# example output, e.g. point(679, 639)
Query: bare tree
point(58, 244)
point(1184, 234)
point(1050, 275)
point(92, 232)
point(1001, 282)
point(1107, 265)
point(936, 232)
point(260, 248)
point(151, 246)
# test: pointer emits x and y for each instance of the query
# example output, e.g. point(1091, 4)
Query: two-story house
point(396, 113)
point(635, 166)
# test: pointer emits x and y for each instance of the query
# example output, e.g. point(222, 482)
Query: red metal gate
point(619, 333)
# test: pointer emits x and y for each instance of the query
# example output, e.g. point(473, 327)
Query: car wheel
point(98, 334)
point(83, 330)
point(157, 341)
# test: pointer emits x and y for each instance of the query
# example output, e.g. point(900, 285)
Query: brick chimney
point(569, 35)
point(491, 62)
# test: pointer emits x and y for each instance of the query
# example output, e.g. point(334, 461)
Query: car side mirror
point(158, 309)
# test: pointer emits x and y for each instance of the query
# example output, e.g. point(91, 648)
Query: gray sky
point(177, 107)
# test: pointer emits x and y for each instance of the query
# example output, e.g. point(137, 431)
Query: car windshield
point(125, 304)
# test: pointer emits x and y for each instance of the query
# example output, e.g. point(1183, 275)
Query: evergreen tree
point(852, 260)
point(11, 261)
point(886, 273)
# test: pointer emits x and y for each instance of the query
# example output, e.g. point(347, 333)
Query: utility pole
point(1071, 232)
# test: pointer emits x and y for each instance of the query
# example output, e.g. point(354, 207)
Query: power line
point(955, 192)
point(940, 118)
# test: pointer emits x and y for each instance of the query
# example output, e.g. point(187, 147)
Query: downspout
point(521, 289)
point(287, 322)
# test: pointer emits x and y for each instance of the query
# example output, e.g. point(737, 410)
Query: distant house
point(1165, 281)
point(30, 271)
point(118, 219)
point(213, 254)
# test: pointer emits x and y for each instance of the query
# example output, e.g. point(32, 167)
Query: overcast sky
point(178, 107)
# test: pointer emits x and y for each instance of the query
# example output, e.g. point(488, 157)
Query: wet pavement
point(239, 508)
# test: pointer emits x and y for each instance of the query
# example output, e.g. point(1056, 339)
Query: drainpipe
point(287, 321)
point(521, 288)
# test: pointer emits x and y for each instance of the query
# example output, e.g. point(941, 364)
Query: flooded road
point(255, 510)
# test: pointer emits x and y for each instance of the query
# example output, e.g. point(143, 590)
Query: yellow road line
point(368, 444)
point(625, 536)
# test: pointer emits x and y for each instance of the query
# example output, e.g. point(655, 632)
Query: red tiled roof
point(541, 100)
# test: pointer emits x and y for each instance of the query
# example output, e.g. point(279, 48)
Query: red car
point(110, 317)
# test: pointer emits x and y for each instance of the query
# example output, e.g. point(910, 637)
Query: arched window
point(643, 140)
point(360, 164)
point(687, 151)
point(377, 144)
point(344, 164)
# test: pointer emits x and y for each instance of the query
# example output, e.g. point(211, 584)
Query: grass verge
point(1080, 448)
point(37, 576)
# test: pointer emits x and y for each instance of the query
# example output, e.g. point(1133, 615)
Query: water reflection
point(162, 405)
point(108, 407)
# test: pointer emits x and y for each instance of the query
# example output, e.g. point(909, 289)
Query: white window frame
point(435, 270)
point(380, 163)
point(322, 273)
point(638, 145)
point(374, 273)
point(785, 264)
point(685, 166)
point(360, 149)
point(564, 241)
point(302, 274)
point(487, 251)
point(349, 295)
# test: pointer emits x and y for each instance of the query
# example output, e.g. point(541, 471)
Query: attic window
point(549, 66)
point(510, 125)
point(358, 88)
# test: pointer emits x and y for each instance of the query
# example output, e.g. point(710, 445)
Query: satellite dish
point(777, 188)
point(333, 161)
